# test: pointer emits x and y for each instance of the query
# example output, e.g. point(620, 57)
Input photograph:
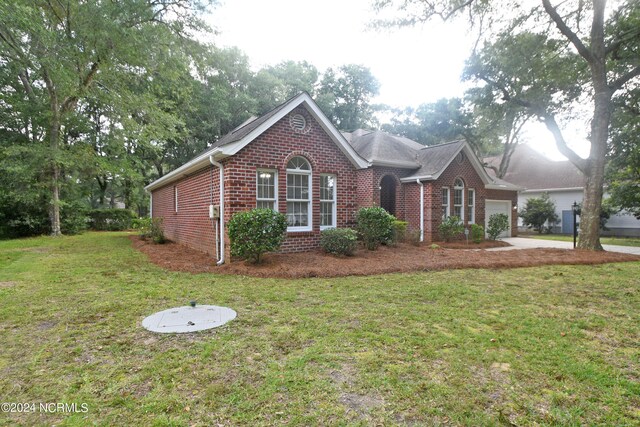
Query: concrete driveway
point(525, 243)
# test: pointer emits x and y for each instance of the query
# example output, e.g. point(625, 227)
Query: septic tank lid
point(188, 319)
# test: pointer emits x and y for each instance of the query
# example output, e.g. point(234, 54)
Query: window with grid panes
point(299, 194)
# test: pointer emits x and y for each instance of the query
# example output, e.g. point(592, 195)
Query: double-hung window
point(266, 186)
point(298, 194)
point(445, 203)
point(471, 208)
point(327, 201)
point(458, 199)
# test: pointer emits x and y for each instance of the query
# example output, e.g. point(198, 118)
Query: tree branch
point(71, 101)
point(550, 122)
point(24, 78)
point(548, 119)
point(623, 79)
point(566, 31)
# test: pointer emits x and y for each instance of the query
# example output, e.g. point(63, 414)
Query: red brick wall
point(465, 171)
point(190, 224)
point(271, 150)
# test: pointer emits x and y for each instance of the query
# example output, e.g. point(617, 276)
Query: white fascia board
point(312, 107)
point(335, 134)
point(419, 178)
point(551, 190)
point(503, 187)
point(391, 163)
point(184, 170)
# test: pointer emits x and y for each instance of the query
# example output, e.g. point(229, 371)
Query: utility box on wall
point(214, 211)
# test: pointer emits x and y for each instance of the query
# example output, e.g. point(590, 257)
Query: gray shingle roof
point(534, 171)
point(381, 147)
point(435, 158)
point(245, 129)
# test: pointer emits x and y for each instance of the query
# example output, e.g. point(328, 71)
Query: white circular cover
point(188, 319)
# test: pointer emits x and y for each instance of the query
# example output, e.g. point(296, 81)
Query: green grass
point(552, 346)
point(620, 241)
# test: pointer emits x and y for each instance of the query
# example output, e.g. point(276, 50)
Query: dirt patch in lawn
point(401, 258)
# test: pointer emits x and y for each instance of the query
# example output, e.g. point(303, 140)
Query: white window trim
point(472, 220)
point(448, 211)
point(275, 187)
point(463, 205)
point(335, 201)
point(309, 201)
point(175, 198)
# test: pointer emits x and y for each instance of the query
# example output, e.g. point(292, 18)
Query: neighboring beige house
point(565, 184)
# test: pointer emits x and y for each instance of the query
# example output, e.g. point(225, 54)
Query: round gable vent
point(298, 123)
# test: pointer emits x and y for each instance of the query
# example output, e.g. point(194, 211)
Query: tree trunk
point(593, 190)
point(592, 202)
point(54, 204)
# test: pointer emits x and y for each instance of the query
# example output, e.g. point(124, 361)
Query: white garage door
point(494, 207)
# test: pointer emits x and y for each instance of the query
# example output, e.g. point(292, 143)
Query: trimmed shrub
point(374, 226)
point(73, 218)
point(110, 219)
point(339, 241)
point(498, 223)
point(477, 233)
point(399, 230)
point(539, 211)
point(156, 231)
point(255, 232)
point(450, 227)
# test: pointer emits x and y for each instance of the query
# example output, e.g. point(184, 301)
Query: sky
point(413, 65)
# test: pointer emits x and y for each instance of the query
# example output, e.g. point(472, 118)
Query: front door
point(388, 194)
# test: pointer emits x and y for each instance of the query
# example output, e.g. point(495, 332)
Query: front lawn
point(620, 241)
point(545, 345)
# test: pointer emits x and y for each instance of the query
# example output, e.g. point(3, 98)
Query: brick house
point(293, 160)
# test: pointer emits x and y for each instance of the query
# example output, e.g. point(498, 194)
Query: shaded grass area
point(619, 241)
point(548, 345)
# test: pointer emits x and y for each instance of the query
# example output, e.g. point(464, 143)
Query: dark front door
point(388, 194)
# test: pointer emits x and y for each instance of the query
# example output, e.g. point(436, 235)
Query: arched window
point(299, 194)
point(458, 198)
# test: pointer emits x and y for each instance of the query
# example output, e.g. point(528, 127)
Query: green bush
point(73, 218)
point(255, 232)
point(143, 225)
point(497, 224)
point(450, 227)
point(339, 241)
point(110, 219)
point(477, 233)
point(156, 231)
point(399, 231)
point(538, 211)
point(374, 226)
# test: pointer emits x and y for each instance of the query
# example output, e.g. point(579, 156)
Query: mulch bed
point(401, 258)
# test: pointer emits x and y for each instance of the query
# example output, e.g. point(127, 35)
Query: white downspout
point(421, 209)
point(151, 204)
point(219, 166)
